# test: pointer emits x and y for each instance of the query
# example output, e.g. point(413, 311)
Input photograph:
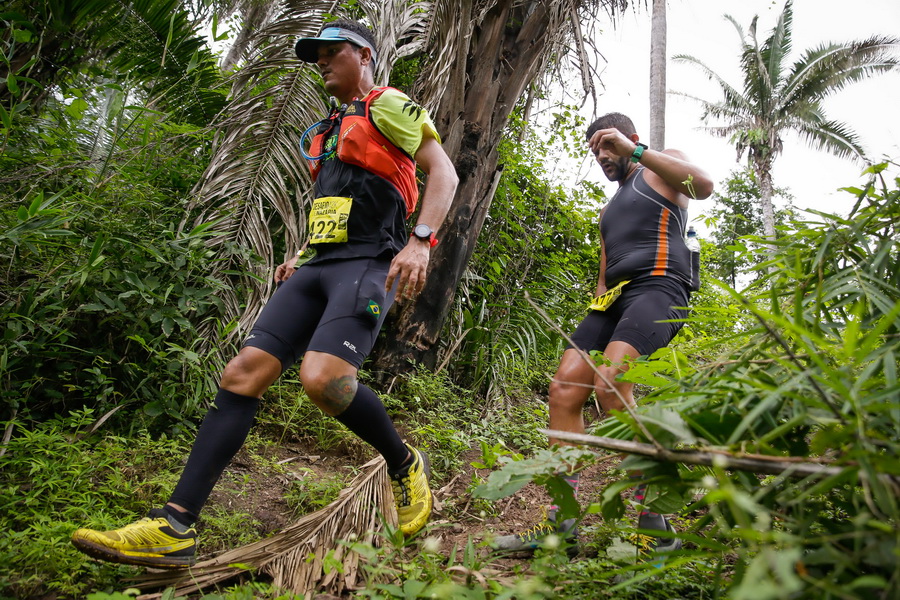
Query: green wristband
point(638, 152)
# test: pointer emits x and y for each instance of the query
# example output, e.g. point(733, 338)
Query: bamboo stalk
point(769, 465)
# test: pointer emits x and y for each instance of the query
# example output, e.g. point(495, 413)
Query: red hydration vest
point(360, 143)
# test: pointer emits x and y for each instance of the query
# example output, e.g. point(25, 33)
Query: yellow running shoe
point(412, 494)
point(150, 542)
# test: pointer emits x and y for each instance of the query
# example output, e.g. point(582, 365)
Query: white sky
point(698, 28)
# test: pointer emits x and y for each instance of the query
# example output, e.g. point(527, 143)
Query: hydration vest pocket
point(355, 146)
point(362, 145)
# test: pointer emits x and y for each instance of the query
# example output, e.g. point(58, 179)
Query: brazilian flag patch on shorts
point(374, 309)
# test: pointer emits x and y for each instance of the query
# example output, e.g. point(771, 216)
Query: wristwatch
point(638, 152)
point(424, 232)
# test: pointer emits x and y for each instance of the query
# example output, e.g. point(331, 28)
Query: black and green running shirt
point(356, 145)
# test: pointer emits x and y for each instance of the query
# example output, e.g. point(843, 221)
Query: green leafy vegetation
point(54, 478)
point(812, 378)
point(114, 329)
point(106, 288)
point(810, 375)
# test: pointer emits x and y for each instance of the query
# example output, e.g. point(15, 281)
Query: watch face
point(422, 231)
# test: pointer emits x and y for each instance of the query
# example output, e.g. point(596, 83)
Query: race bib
point(605, 301)
point(328, 220)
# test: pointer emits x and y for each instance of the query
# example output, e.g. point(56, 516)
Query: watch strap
point(638, 152)
point(432, 240)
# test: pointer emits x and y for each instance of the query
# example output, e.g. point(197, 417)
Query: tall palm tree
point(778, 97)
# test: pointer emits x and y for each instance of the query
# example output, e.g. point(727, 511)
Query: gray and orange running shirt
point(643, 235)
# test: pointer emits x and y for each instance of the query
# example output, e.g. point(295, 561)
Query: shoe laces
point(139, 524)
point(537, 531)
point(135, 533)
point(401, 484)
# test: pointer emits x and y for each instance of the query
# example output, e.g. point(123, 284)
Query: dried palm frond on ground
point(294, 556)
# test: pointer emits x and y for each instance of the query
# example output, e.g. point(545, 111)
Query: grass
point(52, 481)
point(310, 492)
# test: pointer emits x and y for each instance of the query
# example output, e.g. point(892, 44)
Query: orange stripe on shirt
point(662, 246)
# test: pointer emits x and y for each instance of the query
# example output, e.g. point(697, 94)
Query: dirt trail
point(260, 493)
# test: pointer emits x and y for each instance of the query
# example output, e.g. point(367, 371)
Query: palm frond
point(400, 29)
point(733, 97)
point(294, 556)
point(829, 68)
point(257, 177)
point(447, 41)
point(778, 45)
point(759, 87)
point(738, 27)
point(833, 136)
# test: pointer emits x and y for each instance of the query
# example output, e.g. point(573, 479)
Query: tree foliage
point(539, 247)
point(102, 293)
point(150, 45)
point(737, 218)
point(777, 97)
point(814, 377)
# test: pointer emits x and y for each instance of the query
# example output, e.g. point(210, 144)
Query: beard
point(615, 169)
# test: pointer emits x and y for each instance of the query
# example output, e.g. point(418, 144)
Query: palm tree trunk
point(504, 56)
point(254, 16)
point(763, 170)
point(657, 132)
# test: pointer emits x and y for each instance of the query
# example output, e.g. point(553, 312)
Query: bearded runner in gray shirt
point(644, 279)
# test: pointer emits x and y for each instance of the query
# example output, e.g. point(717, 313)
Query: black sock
point(367, 418)
point(219, 438)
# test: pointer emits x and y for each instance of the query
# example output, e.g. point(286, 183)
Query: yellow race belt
point(604, 301)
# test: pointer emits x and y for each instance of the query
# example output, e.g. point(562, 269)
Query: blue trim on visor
point(306, 47)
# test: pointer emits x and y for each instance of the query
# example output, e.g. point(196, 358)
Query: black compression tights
point(367, 418)
point(228, 422)
point(220, 437)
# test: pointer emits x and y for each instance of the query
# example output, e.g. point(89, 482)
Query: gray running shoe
point(536, 536)
point(650, 545)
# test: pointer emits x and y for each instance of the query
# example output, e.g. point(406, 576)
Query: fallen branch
point(294, 557)
point(769, 465)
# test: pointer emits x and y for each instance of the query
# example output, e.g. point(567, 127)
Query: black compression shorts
point(634, 318)
point(335, 307)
